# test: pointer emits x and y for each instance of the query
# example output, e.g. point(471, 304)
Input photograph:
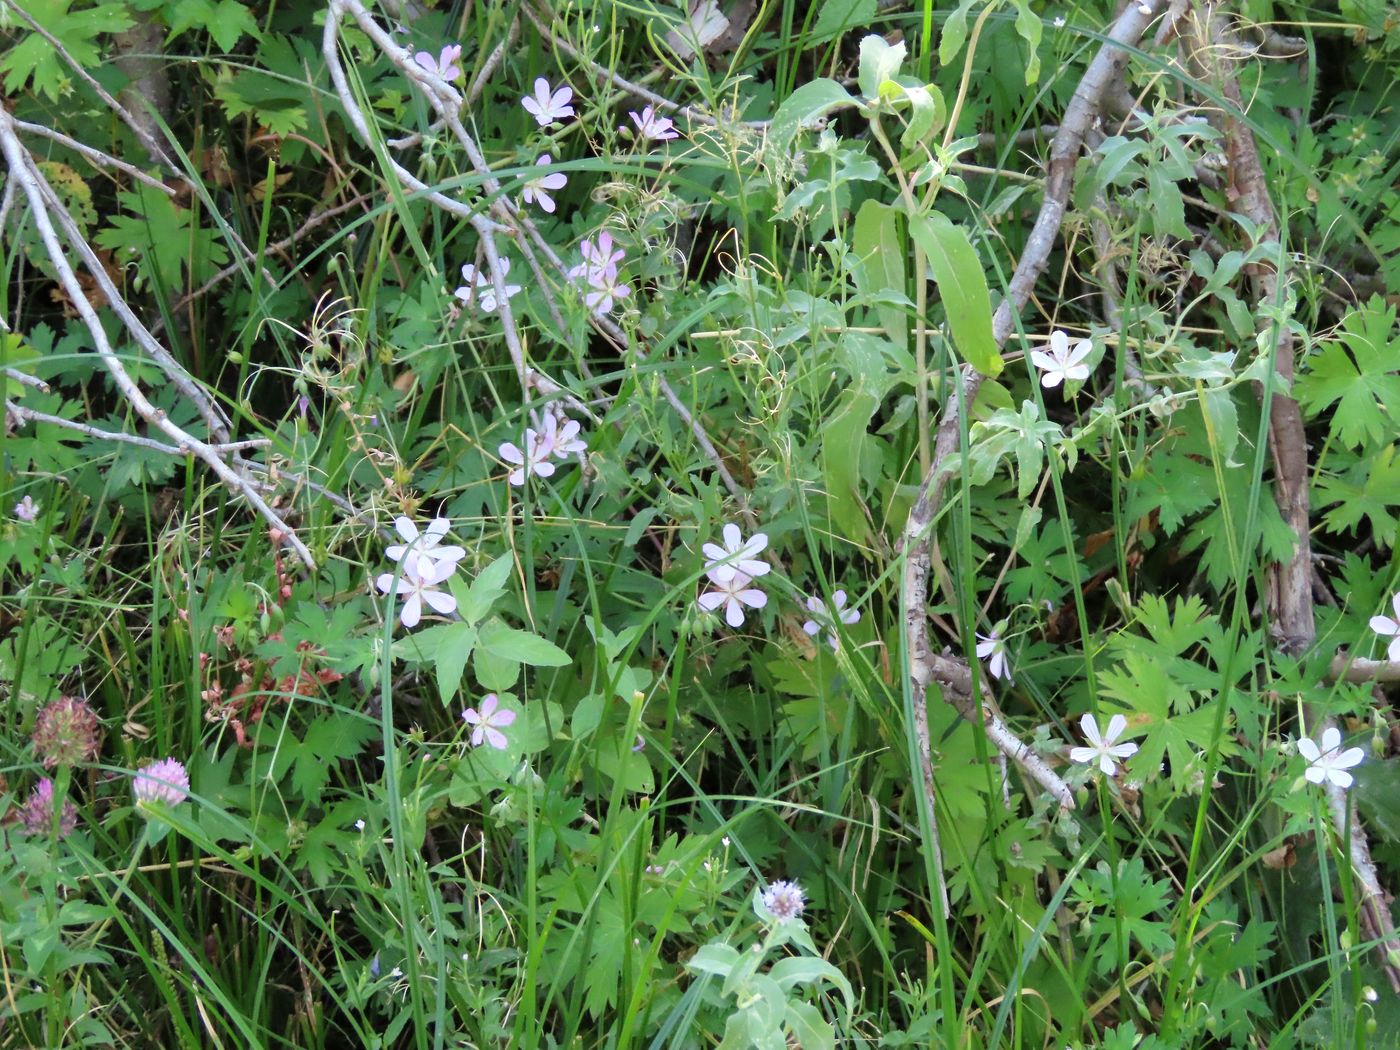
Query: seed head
point(66, 732)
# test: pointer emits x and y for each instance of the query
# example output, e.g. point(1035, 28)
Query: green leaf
point(963, 287)
point(927, 114)
point(879, 62)
point(490, 584)
point(227, 21)
point(811, 1030)
point(454, 649)
point(881, 251)
point(1358, 371)
point(78, 32)
point(805, 106)
point(717, 959)
point(1370, 488)
point(837, 16)
point(507, 643)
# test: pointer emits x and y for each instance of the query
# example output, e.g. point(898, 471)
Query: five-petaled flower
point(994, 646)
point(567, 440)
point(736, 556)
point(445, 65)
point(547, 105)
point(784, 900)
point(1329, 762)
point(480, 288)
point(824, 617)
point(1061, 364)
point(419, 577)
point(1389, 627)
point(425, 542)
point(488, 722)
point(535, 459)
point(653, 127)
point(1103, 747)
point(733, 592)
point(537, 190)
point(166, 781)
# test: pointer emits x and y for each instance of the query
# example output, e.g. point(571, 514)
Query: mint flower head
point(67, 732)
point(547, 105)
point(36, 815)
point(166, 782)
point(26, 509)
point(784, 900)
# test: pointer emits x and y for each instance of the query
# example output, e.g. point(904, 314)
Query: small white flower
point(785, 900)
point(1102, 748)
point(419, 578)
point(425, 542)
point(534, 460)
point(537, 190)
point(567, 439)
point(549, 106)
point(1145, 8)
point(1062, 364)
point(359, 825)
point(1058, 22)
point(1386, 626)
point(480, 288)
point(823, 617)
point(26, 509)
point(733, 593)
point(1329, 762)
point(994, 645)
point(736, 556)
point(488, 722)
point(653, 127)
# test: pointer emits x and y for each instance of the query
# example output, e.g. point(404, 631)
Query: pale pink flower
point(549, 106)
point(425, 542)
point(26, 509)
point(736, 556)
point(784, 900)
point(994, 645)
point(418, 580)
point(166, 781)
point(480, 288)
point(733, 593)
point(597, 257)
point(534, 460)
point(1103, 747)
point(605, 291)
point(653, 127)
point(567, 440)
point(1329, 762)
point(538, 190)
point(1389, 627)
point(488, 722)
point(445, 65)
point(1061, 364)
point(824, 617)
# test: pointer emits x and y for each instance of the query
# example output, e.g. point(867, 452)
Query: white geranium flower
point(1389, 627)
point(1061, 364)
point(425, 542)
point(736, 556)
point(734, 592)
point(1329, 762)
point(1103, 748)
point(549, 105)
point(418, 580)
point(994, 646)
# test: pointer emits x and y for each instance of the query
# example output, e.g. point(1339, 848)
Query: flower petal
point(1091, 729)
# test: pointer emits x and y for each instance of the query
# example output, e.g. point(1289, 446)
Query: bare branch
point(1345, 668)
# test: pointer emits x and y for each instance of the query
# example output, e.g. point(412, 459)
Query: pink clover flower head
point(67, 732)
point(823, 617)
point(418, 581)
point(1329, 762)
point(736, 556)
point(480, 288)
point(26, 509)
point(36, 815)
point(445, 65)
point(1389, 627)
point(538, 190)
point(994, 646)
point(549, 106)
point(1104, 748)
point(653, 127)
point(536, 457)
point(733, 593)
point(1061, 364)
point(488, 722)
point(784, 900)
point(166, 782)
point(425, 543)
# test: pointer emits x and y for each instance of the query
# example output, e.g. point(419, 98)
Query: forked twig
point(925, 666)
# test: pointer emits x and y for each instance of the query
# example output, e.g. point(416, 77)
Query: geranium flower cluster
point(424, 566)
point(559, 437)
point(732, 569)
point(598, 275)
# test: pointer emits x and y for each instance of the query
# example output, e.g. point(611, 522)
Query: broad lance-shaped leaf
point(962, 286)
point(808, 104)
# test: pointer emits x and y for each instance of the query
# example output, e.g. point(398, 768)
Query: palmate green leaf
point(1359, 372)
point(163, 236)
point(1370, 489)
point(78, 32)
point(227, 21)
point(957, 271)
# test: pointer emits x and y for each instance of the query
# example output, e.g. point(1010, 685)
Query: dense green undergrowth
point(587, 717)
